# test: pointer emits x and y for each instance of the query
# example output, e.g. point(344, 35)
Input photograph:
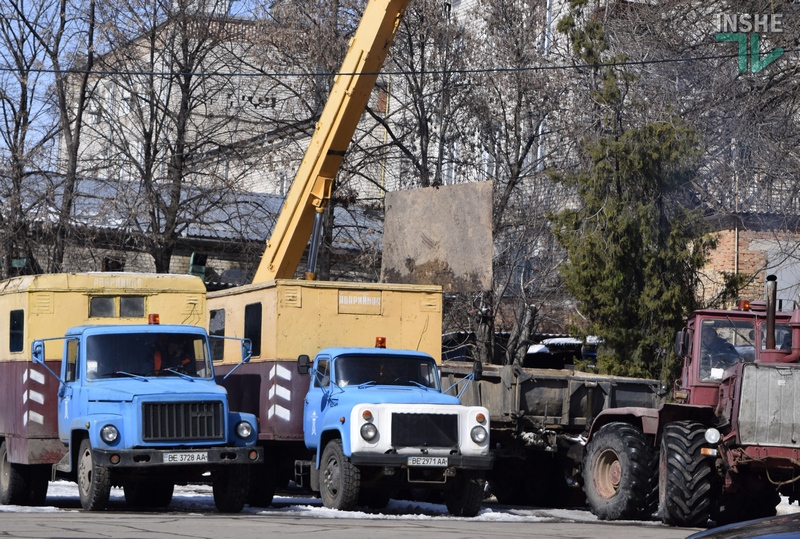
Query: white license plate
point(428, 461)
point(184, 458)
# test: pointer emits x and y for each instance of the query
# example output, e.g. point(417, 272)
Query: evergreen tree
point(635, 242)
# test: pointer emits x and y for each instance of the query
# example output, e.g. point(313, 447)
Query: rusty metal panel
point(273, 391)
point(769, 409)
point(440, 236)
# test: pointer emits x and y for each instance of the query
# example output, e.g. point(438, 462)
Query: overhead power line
point(466, 71)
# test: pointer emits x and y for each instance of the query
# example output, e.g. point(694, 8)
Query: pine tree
point(635, 242)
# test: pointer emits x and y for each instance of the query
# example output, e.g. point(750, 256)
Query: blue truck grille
point(180, 421)
point(424, 430)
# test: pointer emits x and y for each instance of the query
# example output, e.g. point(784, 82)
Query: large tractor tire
point(686, 485)
point(94, 482)
point(619, 473)
point(340, 481)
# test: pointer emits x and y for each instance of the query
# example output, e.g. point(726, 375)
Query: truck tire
point(339, 480)
point(14, 487)
point(619, 473)
point(230, 486)
point(94, 482)
point(465, 497)
point(39, 481)
point(686, 478)
point(263, 481)
point(148, 495)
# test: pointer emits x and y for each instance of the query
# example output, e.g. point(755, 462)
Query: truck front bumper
point(392, 460)
point(203, 456)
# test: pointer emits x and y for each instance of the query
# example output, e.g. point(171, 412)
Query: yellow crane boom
point(313, 183)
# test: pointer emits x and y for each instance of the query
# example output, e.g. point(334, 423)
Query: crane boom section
point(313, 183)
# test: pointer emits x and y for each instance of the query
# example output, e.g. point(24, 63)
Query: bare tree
point(65, 32)
point(26, 137)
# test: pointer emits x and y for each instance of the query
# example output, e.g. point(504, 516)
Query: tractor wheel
point(94, 482)
point(619, 471)
point(465, 497)
point(686, 489)
point(340, 481)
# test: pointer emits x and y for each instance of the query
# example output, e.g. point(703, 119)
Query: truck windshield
point(146, 354)
point(383, 370)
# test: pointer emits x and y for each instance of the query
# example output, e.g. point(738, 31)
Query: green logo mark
point(757, 62)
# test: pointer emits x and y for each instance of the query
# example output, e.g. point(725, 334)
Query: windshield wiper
point(117, 374)
point(179, 373)
point(365, 384)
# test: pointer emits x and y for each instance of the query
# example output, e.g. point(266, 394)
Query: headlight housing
point(244, 429)
point(478, 434)
point(369, 432)
point(109, 434)
point(712, 435)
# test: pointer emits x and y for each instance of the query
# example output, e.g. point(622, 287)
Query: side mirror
point(303, 364)
point(477, 370)
point(37, 352)
point(682, 343)
point(247, 350)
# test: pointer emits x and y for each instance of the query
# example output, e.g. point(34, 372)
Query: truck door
point(317, 401)
point(69, 394)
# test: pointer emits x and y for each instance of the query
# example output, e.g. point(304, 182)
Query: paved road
point(117, 525)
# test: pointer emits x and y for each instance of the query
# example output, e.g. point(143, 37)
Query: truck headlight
point(244, 429)
point(369, 431)
point(109, 434)
point(478, 434)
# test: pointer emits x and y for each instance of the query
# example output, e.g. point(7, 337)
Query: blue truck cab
point(377, 421)
point(139, 407)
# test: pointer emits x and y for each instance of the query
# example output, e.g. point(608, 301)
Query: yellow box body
point(302, 317)
point(53, 303)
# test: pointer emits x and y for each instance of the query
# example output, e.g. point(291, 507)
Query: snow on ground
point(198, 499)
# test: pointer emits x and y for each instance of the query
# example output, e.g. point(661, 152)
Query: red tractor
point(729, 444)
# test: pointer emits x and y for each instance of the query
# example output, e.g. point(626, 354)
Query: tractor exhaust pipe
point(772, 292)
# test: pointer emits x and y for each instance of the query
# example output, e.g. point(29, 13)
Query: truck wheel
point(148, 495)
point(230, 486)
point(685, 485)
point(94, 482)
point(263, 480)
point(39, 481)
point(340, 481)
point(466, 495)
point(13, 480)
point(619, 473)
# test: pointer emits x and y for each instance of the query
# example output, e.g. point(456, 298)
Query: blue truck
point(377, 422)
point(139, 407)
